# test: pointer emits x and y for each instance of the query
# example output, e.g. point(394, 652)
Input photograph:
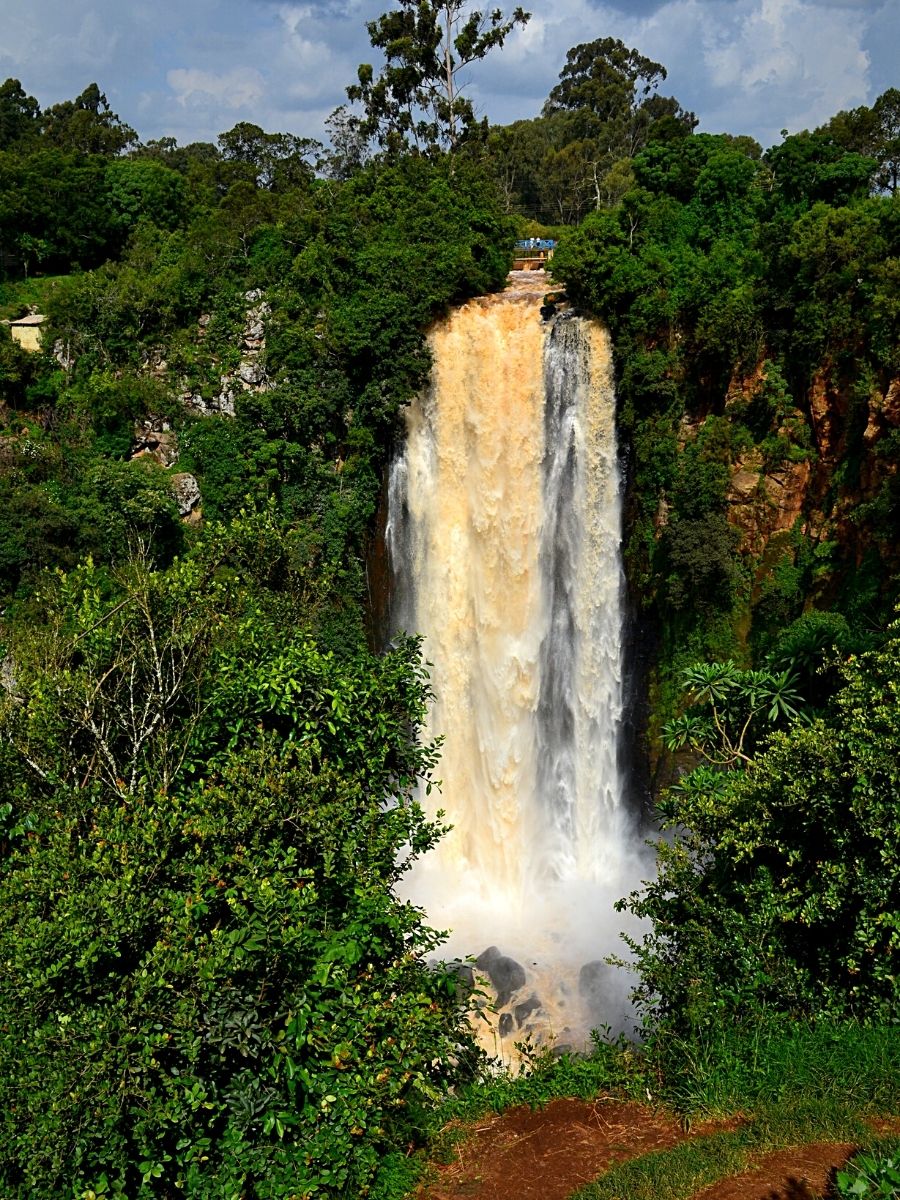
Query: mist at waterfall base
point(504, 529)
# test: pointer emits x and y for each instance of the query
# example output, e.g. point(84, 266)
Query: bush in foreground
point(210, 987)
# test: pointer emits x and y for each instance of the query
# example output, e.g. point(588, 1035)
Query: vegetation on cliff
point(753, 305)
point(206, 777)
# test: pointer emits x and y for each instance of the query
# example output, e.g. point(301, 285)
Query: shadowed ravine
point(503, 531)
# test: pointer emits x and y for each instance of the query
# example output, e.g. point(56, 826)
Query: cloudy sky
point(193, 68)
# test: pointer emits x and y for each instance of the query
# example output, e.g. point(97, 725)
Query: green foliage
point(701, 558)
point(113, 316)
point(780, 1065)
point(791, 1082)
point(780, 889)
point(733, 709)
point(59, 502)
point(87, 125)
point(113, 402)
point(210, 983)
point(610, 91)
point(141, 190)
point(740, 288)
point(353, 274)
point(277, 161)
point(19, 295)
point(577, 155)
point(813, 167)
point(15, 369)
point(610, 1065)
point(871, 1176)
point(59, 227)
point(416, 101)
point(19, 114)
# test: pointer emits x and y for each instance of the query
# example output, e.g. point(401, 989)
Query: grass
point(791, 1084)
point(17, 295)
point(774, 1061)
point(612, 1067)
point(679, 1173)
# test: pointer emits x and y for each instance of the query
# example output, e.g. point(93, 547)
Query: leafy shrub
point(780, 888)
point(870, 1176)
point(210, 986)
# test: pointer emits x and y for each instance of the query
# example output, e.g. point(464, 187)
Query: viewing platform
point(533, 254)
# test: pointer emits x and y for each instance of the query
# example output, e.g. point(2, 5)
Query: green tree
point(612, 90)
point(417, 99)
point(779, 890)
point(875, 133)
point(809, 167)
point(886, 111)
point(348, 151)
point(149, 191)
point(19, 115)
point(15, 369)
point(87, 125)
point(54, 208)
point(210, 985)
point(729, 709)
point(276, 161)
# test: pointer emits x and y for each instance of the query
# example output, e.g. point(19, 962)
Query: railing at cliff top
point(532, 252)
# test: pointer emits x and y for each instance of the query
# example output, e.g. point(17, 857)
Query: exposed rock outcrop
point(154, 438)
point(764, 502)
point(803, 491)
point(250, 375)
point(186, 491)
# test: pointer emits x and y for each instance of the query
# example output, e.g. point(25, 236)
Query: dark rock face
point(505, 974)
point(486, 957)
point(593, 987)
point(505, 1026)
point(524, 1010)
point(561, 1049)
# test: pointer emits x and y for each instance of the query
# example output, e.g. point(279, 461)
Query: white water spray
point(504, 527)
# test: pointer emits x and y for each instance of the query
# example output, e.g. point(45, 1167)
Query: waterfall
point(504, 520)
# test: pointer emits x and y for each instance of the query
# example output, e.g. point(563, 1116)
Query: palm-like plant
point(728, 708)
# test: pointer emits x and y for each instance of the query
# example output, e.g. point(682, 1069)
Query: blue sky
point(193, 68)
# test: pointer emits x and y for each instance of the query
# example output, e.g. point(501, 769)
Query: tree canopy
point(202, 816)
point(417, 101)
point(780, 888)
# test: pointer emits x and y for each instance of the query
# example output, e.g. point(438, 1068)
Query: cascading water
point(504, 517)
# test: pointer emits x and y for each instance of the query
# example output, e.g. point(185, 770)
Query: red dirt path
point(547, 1154)
point(799, 1173)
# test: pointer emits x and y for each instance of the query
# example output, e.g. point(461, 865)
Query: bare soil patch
point(546, 1154)
point(799, 1173)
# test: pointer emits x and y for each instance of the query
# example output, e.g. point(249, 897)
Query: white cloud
point(757, 66)
point(312, 58)
point(882, 40)
point(791, 57)
point(234, 89)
